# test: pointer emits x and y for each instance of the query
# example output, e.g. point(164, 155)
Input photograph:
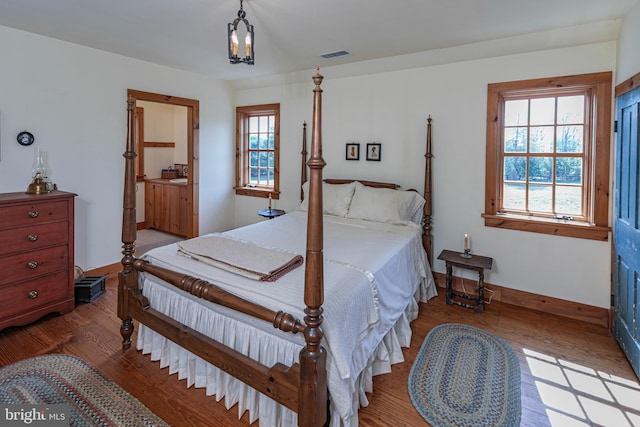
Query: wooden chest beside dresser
point(36, 256)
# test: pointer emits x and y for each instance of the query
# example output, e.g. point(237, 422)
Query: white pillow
point(336, 198)
point(386, 205)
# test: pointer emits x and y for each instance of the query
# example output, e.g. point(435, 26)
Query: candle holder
point(466, 254)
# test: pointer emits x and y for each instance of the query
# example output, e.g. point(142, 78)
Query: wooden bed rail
point(207, 291)
point(279, 382)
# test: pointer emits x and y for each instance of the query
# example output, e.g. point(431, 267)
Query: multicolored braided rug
point(466, 377)
point(58, 379)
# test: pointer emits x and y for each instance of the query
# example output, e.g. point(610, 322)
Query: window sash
point(529, 156)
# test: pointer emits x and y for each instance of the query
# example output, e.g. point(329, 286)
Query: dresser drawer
point(27, 296)
point(33, 213)
point(30, 265)
point(33, 238)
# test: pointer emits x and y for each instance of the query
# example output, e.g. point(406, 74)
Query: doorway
point(192, 143)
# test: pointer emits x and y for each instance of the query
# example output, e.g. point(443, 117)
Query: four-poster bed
point(181, 303)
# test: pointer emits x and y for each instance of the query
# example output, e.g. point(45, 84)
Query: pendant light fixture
point(232, 30)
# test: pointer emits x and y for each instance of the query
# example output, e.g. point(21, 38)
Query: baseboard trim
point(574, 310)
point(111, 269)
point(560, 307)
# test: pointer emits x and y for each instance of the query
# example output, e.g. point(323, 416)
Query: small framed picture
point(185, 170)
point(178, 167)
point(374, 151)
point(353, 151)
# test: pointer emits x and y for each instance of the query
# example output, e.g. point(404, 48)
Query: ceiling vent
point(334, 55)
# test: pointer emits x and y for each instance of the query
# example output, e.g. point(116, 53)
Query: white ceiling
point(292, 34)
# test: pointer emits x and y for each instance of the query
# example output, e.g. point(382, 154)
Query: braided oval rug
point(59, 379)
point(466, 377)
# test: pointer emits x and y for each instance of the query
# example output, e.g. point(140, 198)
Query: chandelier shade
point(233, 41)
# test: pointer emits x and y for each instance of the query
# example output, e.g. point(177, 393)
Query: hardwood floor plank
point(558, 357)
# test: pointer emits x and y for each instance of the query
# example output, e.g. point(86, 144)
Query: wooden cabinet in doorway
point(166, 206)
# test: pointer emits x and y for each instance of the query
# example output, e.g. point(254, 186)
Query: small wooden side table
point(270, 213)
point(476, 263)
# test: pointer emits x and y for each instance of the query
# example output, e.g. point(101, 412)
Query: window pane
point(541, 140)
point(253, 124)
point(263, 159)
point(515, 140)
point(271, 176)
point(543, 111)
point(569, 170)
point(540, 197)
point(271, 143)
point(516, 112)
point(263, 141)
point(540, 169)
point(569, 200)
point(253, 158)
point(570, 139)
point(513, 196)
point(253, 142)
point(264, 124)
point(571, 109)
point(271, 160)
point(253, 175)
point(515, 169)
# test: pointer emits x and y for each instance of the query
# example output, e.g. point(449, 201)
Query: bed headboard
point(428, 206)
point(374, 184)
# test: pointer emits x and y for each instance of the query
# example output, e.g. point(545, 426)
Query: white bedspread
point(382, 267)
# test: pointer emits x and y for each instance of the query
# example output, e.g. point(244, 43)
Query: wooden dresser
point(36, 256)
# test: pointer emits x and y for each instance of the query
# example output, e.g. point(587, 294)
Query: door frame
point(193, 141)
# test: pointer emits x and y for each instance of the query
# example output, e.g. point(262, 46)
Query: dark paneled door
point(626, 236)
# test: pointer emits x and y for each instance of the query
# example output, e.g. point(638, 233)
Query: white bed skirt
point(261, 345)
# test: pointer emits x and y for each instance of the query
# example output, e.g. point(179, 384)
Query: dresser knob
point(32, 237)
point(32, 264)
point(32, 294)
point(33, 214)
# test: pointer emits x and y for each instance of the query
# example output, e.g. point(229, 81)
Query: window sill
point(548, 226)
point(257, 192)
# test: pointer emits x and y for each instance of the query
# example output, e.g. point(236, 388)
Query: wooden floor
point(573, 373)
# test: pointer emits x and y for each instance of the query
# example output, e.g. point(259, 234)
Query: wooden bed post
point(312, 400)
point(303, 174)
point(128, 277)
point(428, 206)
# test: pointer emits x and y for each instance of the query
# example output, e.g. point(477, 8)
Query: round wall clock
point(25, 138)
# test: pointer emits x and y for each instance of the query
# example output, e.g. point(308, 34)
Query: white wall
point(164, 123)
point(73, 99)
point(392, 108)
point(628, 61)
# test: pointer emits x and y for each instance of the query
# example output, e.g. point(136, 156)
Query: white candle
point(234, 43)
point(466, 242)
point(247, 42)
point(269, 201)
